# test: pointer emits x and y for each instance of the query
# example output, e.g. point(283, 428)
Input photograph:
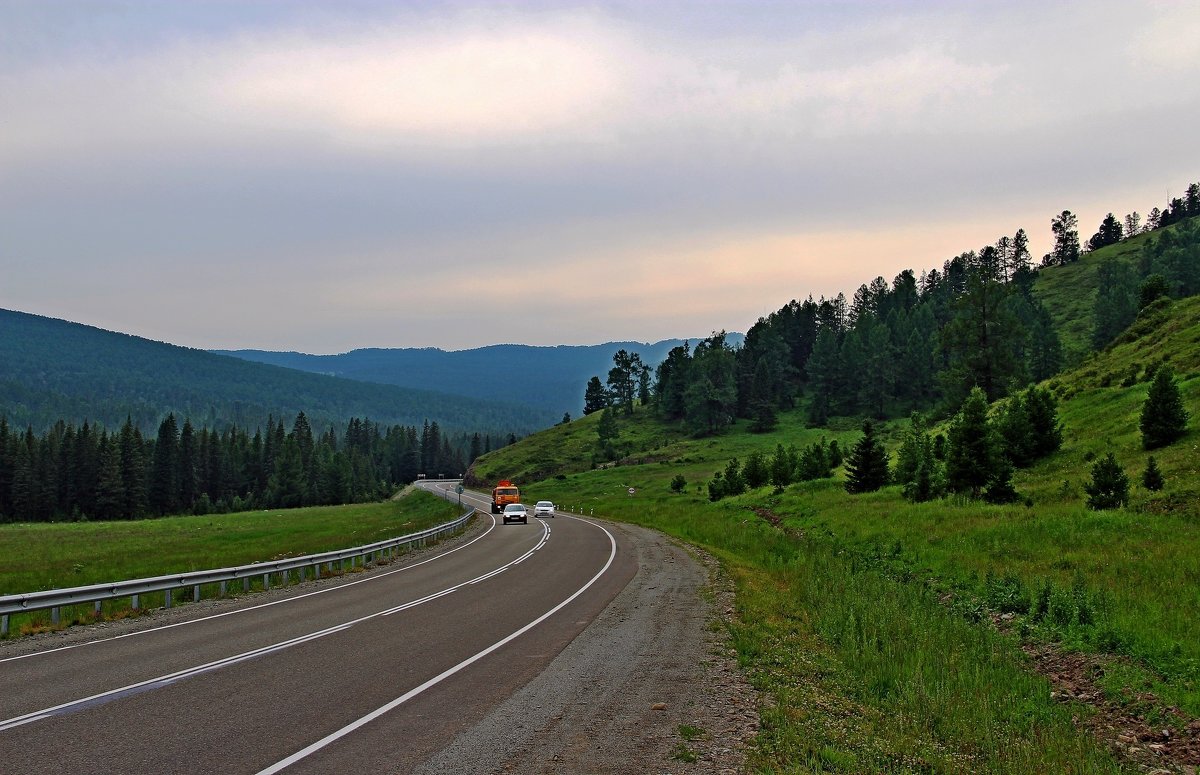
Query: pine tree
point(755, 472)
point(1000, 488)
point(867, 468)
point(1152, 479)
point(1109, 488)
point(1163, 417)
point(783, 466)
point(164, 481)
point(1041, 409)
point(595, 397)
point(971, 455)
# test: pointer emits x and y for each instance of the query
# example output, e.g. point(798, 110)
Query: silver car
point(543, 509)
point(515, 512)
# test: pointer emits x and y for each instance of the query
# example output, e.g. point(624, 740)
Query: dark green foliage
point(77, 473)
point(1110, 233)
point(1116, 301)
point(782, 467)
point(867, 466)
point(971, 452)
point(1163, 417)
point(726, 483)
point(624, 378)
point(607, 432)
point(755, 472)
point(1042, 410)
point(917, 469)
point(678, 483)
point(711, 399)
point(1109, 487)
point(595, 397)
point(1065, 228)
point(1000, 487)
point(1152, 478)
point(1152, 288)
point(815, 462)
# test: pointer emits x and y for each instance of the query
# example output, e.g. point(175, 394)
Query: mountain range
point(53, 370)
point(550, 379)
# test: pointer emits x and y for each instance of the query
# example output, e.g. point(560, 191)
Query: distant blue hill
point(550, 379)
point(53, 370)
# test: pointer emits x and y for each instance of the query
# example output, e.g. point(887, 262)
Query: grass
point(865, 620)
point(58, 555)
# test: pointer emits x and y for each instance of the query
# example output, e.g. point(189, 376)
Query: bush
point(678, 484)
point(1152, 479)
point(1109, 488)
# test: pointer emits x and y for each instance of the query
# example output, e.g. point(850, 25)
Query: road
point(379, 674)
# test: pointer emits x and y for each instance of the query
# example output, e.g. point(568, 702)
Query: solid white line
point(37, 715)
point(333, 737)
point(292, 599)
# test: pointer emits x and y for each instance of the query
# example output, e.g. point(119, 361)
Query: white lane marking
point(347, 585)
point(335, 736)
point(169, 678)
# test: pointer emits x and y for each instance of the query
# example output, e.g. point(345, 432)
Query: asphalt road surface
point(377, 675)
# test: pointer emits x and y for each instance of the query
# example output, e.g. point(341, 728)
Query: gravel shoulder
point(620, 697)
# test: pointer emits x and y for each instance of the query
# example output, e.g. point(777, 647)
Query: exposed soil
point(1173, 746)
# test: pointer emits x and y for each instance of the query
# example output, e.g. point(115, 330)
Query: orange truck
point(504, 493)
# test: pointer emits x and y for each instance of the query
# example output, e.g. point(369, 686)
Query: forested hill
point(545, 378)
point(54, 370)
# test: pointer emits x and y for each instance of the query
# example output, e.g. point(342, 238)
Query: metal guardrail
point(54, 599)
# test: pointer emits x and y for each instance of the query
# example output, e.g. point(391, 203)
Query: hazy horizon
point(325, 177)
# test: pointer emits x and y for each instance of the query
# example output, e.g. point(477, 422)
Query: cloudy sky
point(321, 176)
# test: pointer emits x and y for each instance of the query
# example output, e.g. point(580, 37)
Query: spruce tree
point(1163, 417)
point(1109, 488)
point(1152, 479)
point(1000, 488)
point(971, 454)
point(867, 467)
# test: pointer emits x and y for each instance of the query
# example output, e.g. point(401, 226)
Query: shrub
point(1152, 479)
point(1109, 488)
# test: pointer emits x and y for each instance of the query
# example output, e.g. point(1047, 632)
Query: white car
point(543, 509)
point(515, 512)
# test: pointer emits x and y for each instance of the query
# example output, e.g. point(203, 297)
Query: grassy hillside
point(870, 623)
point(1069, 292)
point(52, 369)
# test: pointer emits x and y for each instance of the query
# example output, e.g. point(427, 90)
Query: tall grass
point(56, 555)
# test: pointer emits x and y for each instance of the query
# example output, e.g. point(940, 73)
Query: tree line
point(86, 472)
point(916, 344)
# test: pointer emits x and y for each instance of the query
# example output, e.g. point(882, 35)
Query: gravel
point(649, 687)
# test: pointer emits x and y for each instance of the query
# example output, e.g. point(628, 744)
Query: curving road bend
point(381, 673)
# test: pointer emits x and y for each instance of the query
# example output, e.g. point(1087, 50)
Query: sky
point(325, 176)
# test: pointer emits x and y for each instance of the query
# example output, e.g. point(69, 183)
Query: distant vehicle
point(543, 509)
point(504, 493)
point(515, 512)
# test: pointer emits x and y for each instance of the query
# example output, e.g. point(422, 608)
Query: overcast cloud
point(326, 176)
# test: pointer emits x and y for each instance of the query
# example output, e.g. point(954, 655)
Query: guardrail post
point(224, 588)
point(133, 602)
point(196, 593)
point(96, 609)
point(266, 581)
point(4, 625)
point(54, 615)
point(245, 583)
point(170, 593)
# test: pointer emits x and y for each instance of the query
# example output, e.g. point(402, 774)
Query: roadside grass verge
point(861, 672)
point(58, 555)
